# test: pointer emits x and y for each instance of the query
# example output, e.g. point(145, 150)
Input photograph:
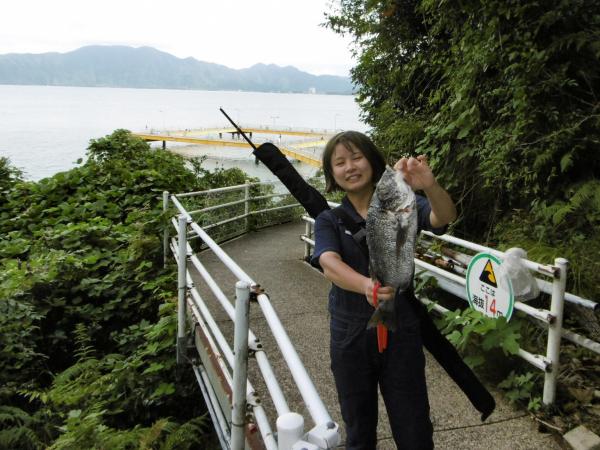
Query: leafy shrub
point(87, 327)
point(523, 388)
point(478, 337)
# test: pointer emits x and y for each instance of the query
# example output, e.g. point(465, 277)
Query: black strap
point(359, 232)
point(311, 199)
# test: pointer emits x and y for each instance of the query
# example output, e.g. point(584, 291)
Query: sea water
point(46, 129)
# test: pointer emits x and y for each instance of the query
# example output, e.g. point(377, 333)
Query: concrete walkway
point(273, 258)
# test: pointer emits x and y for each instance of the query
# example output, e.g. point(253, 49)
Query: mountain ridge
point(147, 67)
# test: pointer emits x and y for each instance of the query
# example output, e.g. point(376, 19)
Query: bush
point(87, 331)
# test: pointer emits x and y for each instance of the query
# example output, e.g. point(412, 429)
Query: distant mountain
point(145, 67)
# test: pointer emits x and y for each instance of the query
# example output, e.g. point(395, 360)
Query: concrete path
point(273, 258)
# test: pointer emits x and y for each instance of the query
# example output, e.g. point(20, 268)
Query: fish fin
point(374, 320)
point(372, 270)
point(401, 236)
point(383, 315)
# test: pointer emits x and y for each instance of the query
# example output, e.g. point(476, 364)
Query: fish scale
point(391, 237)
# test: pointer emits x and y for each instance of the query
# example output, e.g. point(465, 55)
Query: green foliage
point(479, 337)
point(9, 176)
point(87, 328)
point(16, 429)
point(89, 431)
point(104, 402)
point(523, 388)
point(501, 95)
point(120, 144)
point(544, 244)
point(263, 198)
point(18, 332)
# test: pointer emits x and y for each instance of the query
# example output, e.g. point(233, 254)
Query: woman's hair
point(352, 140)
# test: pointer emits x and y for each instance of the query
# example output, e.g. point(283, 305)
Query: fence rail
point(222, 373)
point(551, 319)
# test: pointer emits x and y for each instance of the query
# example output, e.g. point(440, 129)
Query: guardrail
point(455, 284)
point(222, 371)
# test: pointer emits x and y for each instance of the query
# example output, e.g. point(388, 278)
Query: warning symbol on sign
point(483, 291)
point(487, 275)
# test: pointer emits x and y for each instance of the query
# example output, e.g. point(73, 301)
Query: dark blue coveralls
point(357, 366)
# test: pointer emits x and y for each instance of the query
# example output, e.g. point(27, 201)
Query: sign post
point(483, 290)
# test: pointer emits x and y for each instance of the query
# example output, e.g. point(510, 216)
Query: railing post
point(166, 231)
point(307, 233)
point(290, 429)
point(182, 286)
point(247, 206)
point(240, 365)
point(555, 330)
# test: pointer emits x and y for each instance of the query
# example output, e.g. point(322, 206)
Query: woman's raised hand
point(416, 171)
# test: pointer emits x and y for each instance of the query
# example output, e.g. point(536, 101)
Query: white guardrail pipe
point(263, 425)
point(538, 361)
point(181, 288)
point(216, 341)
point(165, 200)
point(221, 426)
point(240, 365)
point(552, 318)
point(555, 330)
point(305, 385)
point(541, 268)
point(261, 358)
point(309, 393)
point(544, 285)
point(307, 389)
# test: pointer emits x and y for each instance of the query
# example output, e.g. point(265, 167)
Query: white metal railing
point(223, 372)
point(552, 318)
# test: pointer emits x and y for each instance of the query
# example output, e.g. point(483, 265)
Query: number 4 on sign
point(493, 307)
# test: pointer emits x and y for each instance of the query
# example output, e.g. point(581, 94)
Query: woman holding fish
point(380, 200)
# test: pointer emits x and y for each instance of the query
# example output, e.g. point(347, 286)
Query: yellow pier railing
point(290, 152)
point(281, 132)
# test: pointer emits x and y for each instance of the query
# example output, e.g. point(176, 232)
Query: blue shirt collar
point(349, 207)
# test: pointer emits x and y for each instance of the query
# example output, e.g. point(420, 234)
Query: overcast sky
point(235, 33)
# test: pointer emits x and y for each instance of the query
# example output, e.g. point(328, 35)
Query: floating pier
point(217, 137)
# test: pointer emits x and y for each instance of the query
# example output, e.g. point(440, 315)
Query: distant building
point(312, 90)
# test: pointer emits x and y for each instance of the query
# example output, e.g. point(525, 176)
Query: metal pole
point(212, 403)
point(240, 365)
point(555, 330)
point(182, 287)
point(307, 233)
point(313, 401)
point(290, 429)
point(247, 206)
point(166, 232)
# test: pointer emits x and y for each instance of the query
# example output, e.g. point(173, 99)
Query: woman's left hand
point(416, 172)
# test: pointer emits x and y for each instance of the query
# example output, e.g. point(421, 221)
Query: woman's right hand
point(384, 293)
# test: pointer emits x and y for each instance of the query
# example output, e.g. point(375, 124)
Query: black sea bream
point(391, 236)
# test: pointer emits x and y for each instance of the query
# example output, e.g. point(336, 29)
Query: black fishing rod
point(238, 129)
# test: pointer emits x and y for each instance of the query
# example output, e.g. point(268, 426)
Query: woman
point(353, 164)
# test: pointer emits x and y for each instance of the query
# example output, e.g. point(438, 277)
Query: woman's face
point(351, 170)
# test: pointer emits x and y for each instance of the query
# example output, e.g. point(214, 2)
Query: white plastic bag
point(512, 268)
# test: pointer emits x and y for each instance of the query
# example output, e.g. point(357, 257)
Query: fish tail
point(383, 315)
